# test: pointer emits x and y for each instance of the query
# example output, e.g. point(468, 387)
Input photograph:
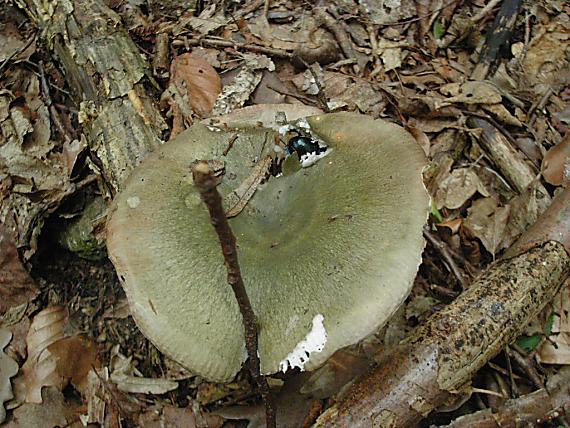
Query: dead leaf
point(477, 92)
point(556, 163)
point(34, 173)
point(487, 221)
point(13, 46)
point(51, 413)
point(458, 187)
point(238, 92)
point(40, 369)
point(197, 81)
point(339, 370)
point(75, 357)
point(8, 369)
point(546, 60)
point(129, 379)
point(175, 417)
point(16, 284)
point(239, 198)
point(524, 212)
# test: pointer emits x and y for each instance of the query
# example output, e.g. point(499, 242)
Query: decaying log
point(108, 77)
point(441, 356)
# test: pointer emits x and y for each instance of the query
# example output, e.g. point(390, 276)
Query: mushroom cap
point(338, 243)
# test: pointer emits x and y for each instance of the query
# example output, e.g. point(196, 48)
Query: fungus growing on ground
point(327, 252)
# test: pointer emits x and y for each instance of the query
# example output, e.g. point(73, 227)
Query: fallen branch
point(497, 37)
point(536, 408)
point(440, 357)
point(206, 182)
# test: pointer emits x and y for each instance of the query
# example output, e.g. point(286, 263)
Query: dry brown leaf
point(458, 187)
point(340, 369)
point(239, 198)
point(487, 221)
point(238, 92)
point(197, 80)
point(546, 60)
point(52, 412)
point(8, 369)
point(40, 369)
point(477, 92)
point(420, 137)
point(75, 357)
point(33, 173)
point(175, 417)
point(523, 213)
point(556, 164)
point(16, 284)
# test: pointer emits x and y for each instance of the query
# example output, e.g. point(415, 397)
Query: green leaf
point(549, 324)
point(438, 218)
point(438, 30)
point(528, 343)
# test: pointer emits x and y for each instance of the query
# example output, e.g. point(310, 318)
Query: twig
point(206, 183)
point(488, 8)
point(52, 110)
point(322, 16)
point(526, 364)
point(222, 43)
point(441, 248)
point(17, 52)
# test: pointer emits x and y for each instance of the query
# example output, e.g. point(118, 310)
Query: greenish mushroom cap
point(334, 246)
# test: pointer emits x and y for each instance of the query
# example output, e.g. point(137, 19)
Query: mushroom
point(327, 252)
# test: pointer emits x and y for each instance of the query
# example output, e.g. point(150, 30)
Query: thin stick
point(206, 182)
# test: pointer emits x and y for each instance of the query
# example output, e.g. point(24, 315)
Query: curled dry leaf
point(54, 360)
point(487, 221)
point(8, 369)
point(40, 369)
point(456, 188)
point(16, 284)
point(556, 165)
point(238, 92)
point(196, 79)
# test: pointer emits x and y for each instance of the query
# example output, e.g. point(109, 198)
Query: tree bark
point(108, 77)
